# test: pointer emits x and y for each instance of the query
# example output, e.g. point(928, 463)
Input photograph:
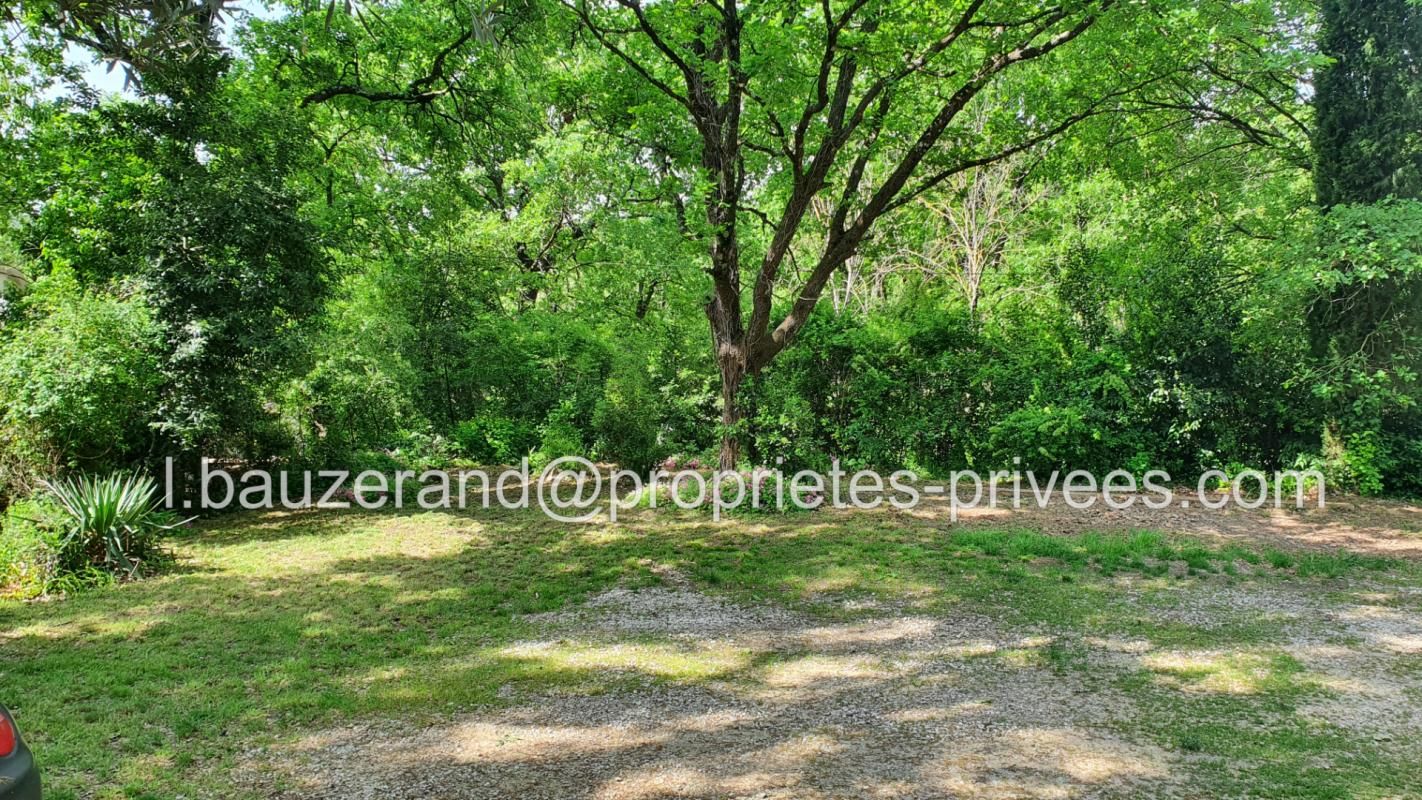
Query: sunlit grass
point(274, 623)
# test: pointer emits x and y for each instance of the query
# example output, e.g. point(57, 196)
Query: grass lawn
point(275, 626)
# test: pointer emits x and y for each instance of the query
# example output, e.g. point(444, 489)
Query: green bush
point(113, 522)
point(424, 450)
point(345, 404)
point(79, 378)
point(492, 438)
point(1357, 462)
point(560, 437)
point(30, 542)
point(625, 421)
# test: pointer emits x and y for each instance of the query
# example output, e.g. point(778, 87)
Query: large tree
point(1366, 318)
point(1368, 149)
point(855, 105)
point(1368, 138)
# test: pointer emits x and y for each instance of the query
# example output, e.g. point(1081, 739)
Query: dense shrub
point(560, 436)
point(31, 538)
point(79, 378)
point(493, 438)
point(421, 450)
point(345, 404)
point(626, 420)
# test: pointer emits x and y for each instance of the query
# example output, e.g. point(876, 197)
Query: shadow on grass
point(281, 621)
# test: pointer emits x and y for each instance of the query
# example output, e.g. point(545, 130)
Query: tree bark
point(732, 373)
point(728, 339)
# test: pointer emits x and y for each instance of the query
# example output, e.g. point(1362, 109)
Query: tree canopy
point(1096, 233)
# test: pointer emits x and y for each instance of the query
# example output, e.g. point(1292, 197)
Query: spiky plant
point(113, 521)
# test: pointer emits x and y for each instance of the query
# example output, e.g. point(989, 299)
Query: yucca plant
point(113, 521)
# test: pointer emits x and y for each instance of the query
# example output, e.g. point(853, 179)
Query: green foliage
point(626, 420)
point(1365, 319)
point(559, 436)
point(492, 242)
point(113, 522)
point(79, 377)
point(1366, 243)
point(423, 450)
point(193, 204)
point(495, 439)
point(1158, 372)
point(31, 534)
point(1369, 262)
point(156, 38)
point(1360, 462)
point(345, 404)
point(1369, 102)
point(1365, 326)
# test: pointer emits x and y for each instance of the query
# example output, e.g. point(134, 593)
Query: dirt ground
point(905, 704)
point(1362, 525)
point(901, 705)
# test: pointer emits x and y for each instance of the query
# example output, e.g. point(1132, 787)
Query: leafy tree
point(79, 379)
point(1367, 316)
point(1368, 137)
point(827, 104)
point(157, 38)
point(192, 201)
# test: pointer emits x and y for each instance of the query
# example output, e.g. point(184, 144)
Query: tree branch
point(840, 246)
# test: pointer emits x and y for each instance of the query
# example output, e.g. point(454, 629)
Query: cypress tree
point(1367, 143)
point(1367, 138)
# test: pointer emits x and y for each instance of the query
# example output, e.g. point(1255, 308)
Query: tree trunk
point(733, 370)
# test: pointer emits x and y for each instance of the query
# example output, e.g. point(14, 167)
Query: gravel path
point(697, 696)
point(902, 705)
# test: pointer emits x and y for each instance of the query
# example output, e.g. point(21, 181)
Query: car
point(19, 777)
